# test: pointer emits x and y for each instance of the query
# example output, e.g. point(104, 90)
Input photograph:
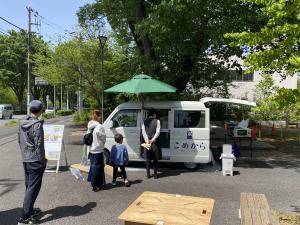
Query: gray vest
point(150, 127)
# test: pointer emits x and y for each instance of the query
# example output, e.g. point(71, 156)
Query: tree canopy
point(275, 47)
point(174, 40)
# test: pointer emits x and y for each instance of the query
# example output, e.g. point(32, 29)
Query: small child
point(119, 158)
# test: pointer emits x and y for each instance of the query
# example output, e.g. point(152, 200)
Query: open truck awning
point(228, 100)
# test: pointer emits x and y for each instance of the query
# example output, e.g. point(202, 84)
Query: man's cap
point(36, 105)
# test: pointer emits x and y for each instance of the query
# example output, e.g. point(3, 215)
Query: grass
point(12, 123)
point(287, 218)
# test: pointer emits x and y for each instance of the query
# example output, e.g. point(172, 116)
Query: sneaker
point(127, 183)
point(113, 183)
point(155, 176)
point(36, 212)
point(30, 220)
point(95, 189)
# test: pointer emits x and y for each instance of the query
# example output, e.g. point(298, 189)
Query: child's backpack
point(88, 138)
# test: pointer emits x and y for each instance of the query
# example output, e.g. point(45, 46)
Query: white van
point(184, 136)
point(6, 111)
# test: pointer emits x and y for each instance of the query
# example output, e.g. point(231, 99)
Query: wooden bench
point(255, 210)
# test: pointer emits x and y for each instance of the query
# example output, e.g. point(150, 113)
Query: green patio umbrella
point(141, 84)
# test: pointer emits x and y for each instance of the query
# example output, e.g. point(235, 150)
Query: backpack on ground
point(88, 138)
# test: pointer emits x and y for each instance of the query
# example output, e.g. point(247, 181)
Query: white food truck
point(184, 136)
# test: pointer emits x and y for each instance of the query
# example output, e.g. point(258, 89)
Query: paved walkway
point(65, 200)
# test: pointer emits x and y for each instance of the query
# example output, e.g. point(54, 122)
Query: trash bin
point(227, 160)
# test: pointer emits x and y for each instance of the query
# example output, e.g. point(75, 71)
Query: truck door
point(164, 136)
point(127, 123)
point(189, 135)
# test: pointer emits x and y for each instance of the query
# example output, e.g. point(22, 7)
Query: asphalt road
point(67, 201)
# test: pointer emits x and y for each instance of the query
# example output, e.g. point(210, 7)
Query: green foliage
point(7, 96)
point(173, 40)
point(64, 112)
point(265, 88)
point(81, 118)
point(282, 105)
point(48, 115)
point(12, 123)
point(275, 47)
point(76, 63)
point(13, 61)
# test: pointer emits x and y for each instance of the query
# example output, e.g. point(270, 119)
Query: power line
point(50, 23)
point(12, 24)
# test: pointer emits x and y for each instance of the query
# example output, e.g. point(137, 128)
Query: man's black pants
point(148, 162)
point(33, 181)
point(115, 172)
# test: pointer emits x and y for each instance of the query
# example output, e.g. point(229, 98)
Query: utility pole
point(54, 101)
point(61, 97)
point(28, 58)
point(67, 98)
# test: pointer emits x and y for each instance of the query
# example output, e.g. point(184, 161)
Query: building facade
point(243, 86)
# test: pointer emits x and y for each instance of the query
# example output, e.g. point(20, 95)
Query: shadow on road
point(10, 217)
point(121, 184)
point(8, 185)
point(67, 211)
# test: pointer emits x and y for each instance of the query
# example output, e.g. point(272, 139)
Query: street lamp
point(102, 40)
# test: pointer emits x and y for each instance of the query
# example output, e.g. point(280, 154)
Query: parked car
point(6, 111)
point(49, 110)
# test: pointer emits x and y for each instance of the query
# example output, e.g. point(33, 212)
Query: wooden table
point(168, 209)
point(107, 168)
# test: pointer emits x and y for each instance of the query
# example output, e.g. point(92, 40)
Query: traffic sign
point(40, 82)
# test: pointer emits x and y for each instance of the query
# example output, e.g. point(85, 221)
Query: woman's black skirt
point(96, 174)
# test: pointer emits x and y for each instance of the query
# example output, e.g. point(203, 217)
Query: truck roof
point(164, 105)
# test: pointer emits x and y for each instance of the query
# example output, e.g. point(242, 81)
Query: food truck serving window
point(125, 118)
point(189, 119)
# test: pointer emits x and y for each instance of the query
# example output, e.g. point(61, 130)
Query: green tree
point(13, 62)
point(13, 69)
point(265, 88)
point(79, 59)
point(275, 47)
point(7, 96)
point(173, 40)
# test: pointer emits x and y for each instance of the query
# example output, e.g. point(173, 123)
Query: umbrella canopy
point(141, 84)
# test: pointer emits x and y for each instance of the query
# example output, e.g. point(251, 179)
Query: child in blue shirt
point(119, 158)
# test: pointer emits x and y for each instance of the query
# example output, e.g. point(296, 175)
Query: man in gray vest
point(31, 141)
point(151, 131)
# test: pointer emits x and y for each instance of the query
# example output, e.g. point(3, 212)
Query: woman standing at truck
point(96, 174)
point(151, 131)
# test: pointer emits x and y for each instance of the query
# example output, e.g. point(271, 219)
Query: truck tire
point(192, 166)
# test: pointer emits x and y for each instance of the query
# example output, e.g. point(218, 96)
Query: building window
point(241, 76)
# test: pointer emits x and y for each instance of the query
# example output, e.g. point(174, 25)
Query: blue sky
point(61, 14)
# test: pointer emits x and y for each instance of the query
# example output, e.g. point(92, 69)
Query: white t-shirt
point(99, 137)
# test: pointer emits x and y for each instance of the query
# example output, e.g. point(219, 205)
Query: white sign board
point(53, 136)
point(40, 81)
